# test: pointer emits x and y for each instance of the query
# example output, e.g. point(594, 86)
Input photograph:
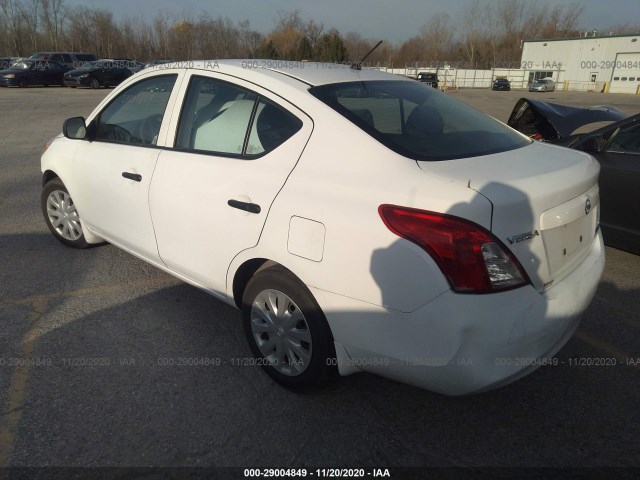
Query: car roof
point(310, 73)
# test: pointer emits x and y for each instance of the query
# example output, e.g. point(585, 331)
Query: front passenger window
point(135, 116)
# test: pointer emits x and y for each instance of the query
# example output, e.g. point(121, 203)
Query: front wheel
point(286, 329)
point(60, 214)
point(94, 83)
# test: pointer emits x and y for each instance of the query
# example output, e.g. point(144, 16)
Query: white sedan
point(543, 85)
point(360, 220)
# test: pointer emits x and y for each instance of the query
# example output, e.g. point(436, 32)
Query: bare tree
point(29, 11)
point(13, 21)
point(473, 30)
point(104, 31)
point(53, 16)
point(249, 39)
point(436, 36)
point(356, 46)
point(288, 33)
point(182, 39)
point(563, 20)
point(161, 34)
point(494, 32)
point(313, 31)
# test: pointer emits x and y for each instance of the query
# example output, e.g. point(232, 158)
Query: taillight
point(469, 256)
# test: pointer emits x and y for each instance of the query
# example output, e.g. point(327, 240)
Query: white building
point(587, 63)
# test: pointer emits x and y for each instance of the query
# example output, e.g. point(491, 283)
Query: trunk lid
point(545, 204)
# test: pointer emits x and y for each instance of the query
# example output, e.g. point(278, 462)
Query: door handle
point(247, 207)
point(132, 176)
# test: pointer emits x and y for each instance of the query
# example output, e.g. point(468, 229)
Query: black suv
point(66, 59)
point(428, 78)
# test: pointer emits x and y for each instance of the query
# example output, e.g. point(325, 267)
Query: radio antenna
point(358, 65)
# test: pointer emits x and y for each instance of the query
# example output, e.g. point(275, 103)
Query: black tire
point(321, 366)
point(50, 189)
point(95, 83)
point(22, 83)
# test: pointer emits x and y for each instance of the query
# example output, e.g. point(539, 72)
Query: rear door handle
point(132, 176)
point(247, 207)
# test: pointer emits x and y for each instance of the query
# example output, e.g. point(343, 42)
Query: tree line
point(484, 35)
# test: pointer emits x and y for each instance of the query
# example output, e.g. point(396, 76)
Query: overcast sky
point(390, 20)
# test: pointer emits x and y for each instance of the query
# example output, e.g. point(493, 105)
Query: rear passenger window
point(221, 118)
point(271, 127)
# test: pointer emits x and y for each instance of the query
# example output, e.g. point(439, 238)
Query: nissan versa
point(359, 220)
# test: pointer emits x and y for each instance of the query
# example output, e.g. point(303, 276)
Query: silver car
point(542, 85)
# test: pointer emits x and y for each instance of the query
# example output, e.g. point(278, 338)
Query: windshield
point(418, 121)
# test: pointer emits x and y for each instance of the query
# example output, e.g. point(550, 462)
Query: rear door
point(234, 147)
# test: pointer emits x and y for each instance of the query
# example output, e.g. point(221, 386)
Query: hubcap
point(63, 215)
point(281, 332)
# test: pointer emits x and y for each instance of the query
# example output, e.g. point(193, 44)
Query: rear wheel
point(61, 215)
point(286, 329)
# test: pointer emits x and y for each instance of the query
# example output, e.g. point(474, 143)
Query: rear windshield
point(418, 121)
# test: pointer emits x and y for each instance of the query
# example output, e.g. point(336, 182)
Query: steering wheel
point(120, 134)
point(150, 128)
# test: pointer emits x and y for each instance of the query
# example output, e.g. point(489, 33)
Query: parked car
point(32, 72)
point(69, 60)
point(359, 220)
point(102, 73)
point(542, 85)
point(616, 146)
point(501, 84)
point(428, 78)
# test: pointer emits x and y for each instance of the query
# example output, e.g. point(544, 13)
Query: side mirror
point(595, 144)
point(75, 128)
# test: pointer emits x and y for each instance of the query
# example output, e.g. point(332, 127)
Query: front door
point(115, 168)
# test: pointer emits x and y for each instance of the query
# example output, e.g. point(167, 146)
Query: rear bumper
point(460, 344)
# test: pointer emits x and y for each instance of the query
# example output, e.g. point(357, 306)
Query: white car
point(543, 85)
point(360, 220)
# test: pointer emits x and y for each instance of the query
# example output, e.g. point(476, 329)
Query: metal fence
point(466, 78)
